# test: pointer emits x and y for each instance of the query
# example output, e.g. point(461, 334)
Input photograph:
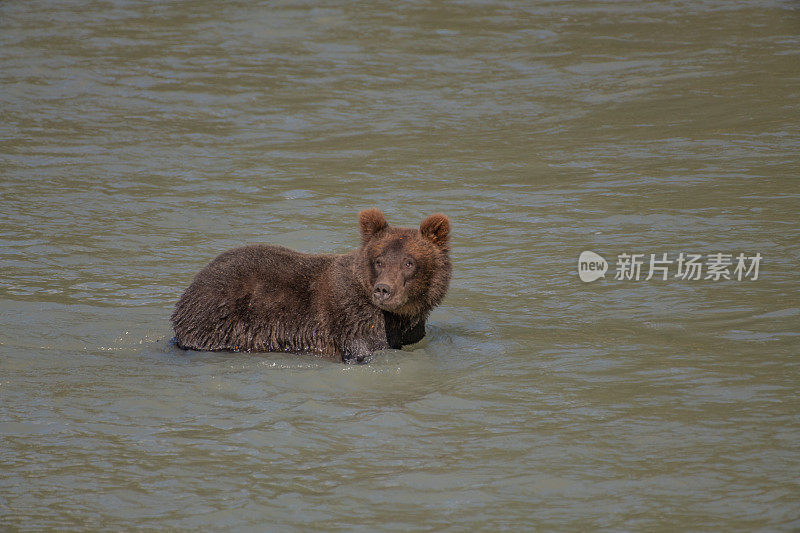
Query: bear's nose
point(382, 292)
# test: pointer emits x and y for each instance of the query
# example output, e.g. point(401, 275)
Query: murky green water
point(140, 139)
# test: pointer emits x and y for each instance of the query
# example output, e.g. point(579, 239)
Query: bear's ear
point(436, 228)
point(371, 221)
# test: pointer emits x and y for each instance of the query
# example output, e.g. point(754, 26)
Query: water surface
point(139, 139)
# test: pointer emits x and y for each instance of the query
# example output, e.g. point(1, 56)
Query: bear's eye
point(378, 263)
point(409, 264)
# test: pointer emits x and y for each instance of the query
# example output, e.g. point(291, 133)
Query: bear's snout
point(381, 293)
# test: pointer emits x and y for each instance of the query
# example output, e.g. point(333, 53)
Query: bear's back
point(247, 296)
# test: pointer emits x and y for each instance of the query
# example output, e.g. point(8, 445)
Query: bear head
point(405, 271)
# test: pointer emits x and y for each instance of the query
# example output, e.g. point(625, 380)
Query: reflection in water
point(138, 141)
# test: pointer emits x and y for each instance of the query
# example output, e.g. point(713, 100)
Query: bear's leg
point(360, 350)
point(415, 334)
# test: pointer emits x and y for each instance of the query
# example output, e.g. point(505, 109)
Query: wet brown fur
point(264, 298)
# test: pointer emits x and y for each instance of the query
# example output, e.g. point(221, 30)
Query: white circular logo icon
point(591, 266)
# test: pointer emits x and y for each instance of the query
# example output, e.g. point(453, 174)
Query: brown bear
point(262, 298)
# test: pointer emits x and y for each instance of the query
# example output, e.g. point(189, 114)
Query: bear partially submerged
point(263, 298)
